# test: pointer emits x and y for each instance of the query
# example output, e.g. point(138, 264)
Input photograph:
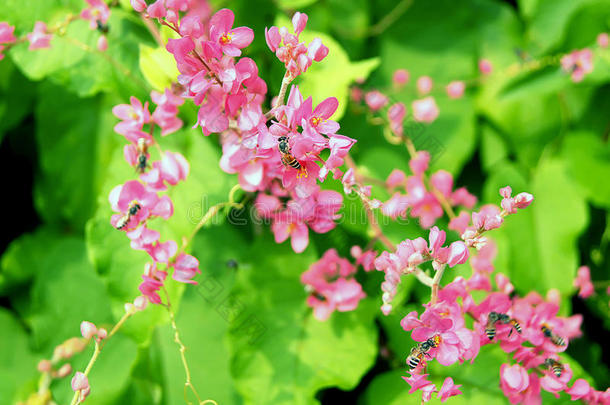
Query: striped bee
point(142, 163)
point(557, 340)
point(287, 158)
point(555, 366)
point(133, 209)
point(418, 352)
point(495, 317)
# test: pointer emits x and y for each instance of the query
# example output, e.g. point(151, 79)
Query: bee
point(418, 352)
point(101, 27)
point(557, 340)
point(555, 366)
point(133, 209)
point(495, 317)
point(142, 163)
point(287, 158)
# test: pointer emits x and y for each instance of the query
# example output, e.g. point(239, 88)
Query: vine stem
point(286, 80)
point(211, 213)
point(435, 285)
point(182, 349)
point(98, 349)
point(417, 272)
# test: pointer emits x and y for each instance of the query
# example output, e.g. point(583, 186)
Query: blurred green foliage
point(250, 337)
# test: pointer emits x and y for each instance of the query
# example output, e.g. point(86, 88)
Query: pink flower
point(583, 281)
point(172, 168)
point(485, 66)
point(332, 286)
point(417, 381)
point(123, 199)
point(102, 43)
point(166, 111)
point(133, 117)
point(578, 63)
point(400, 77)
point(163, 252)
point(460, 223)
point(425, 110)
point(87, 329)
point(185, 268)
point(39, 39)
point(580, 389)
point(456, 89)
point(153, 281)
point(458, 253)
point(157, 9)
point(448, 389)
point(138, 5)
point(396, 116)
point(97, 13)
point(396, 178)
point(424, 85)
point(419, 164)
point(375, 100)
point(396, 206)
point(6, 33)
point(79, 382)
point(513, 381)
point(230, 40)
point(602, 40)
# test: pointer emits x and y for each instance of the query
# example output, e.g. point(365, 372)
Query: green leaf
point(333, 76)
point(588, 160)
point(17, 362)
point(280, 353)
point(541, 240)
point(16, 96)
point(158, 67)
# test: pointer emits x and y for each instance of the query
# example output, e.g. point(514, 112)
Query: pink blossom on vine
point(224, 37)
point(97, 13)
point(185, 268)
point(153, 281)
point(88, 329)
point(456, 89)
point(366, 259)
point(514, 380)
point(138, 5)
point(81, 383)
point(331, 285)
point(396, 116)
point(157, 9)
point(425, 110)
point(400, 77)
point(579, 390)
point(448, 389)
point(39, 38)
point(460, 223)
point(419, 163)
point(583, 282)
point(578, 64)
point(424, 85)
point(602, 40)
point(171, 169)
point(375, 100)
point(7, 33)
point(102, 43)
point(396, 206)
point(165, 115)
point(485, 66)
point(124, 197)
point(417, 382)
point(133, 117)
point(162, 252)
point(296, 56)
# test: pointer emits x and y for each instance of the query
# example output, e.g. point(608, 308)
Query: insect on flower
point(555, 366)
point(134, 207)
point(557, 340)
point(287, 158)
point(418, 352)
point(495, 317)
point(142, 163)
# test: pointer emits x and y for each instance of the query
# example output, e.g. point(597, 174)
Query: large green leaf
point(73, 59)
point(16, 96)
point(17, 362)
point(540, 241)
point(280, 353)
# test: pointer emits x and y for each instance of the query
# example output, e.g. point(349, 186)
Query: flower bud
point(87, 329)
point(79, 382)
point(64, 370)
point(44, 366)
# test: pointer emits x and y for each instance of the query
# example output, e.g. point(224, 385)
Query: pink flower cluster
point(97, 14)
point(6, 36)
point(532, 333)
point(578, 64)
point(422, 200)
point(296, 56)
point(411, 253)
point(138, 201)
point(331, 285)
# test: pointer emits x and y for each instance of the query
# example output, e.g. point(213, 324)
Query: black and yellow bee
point(142, 163)
point(495, 317)
point(548, 332)
point(555, 366)
point(132, 211)
point(101, 27)
point(287, 158)
point(418, 352)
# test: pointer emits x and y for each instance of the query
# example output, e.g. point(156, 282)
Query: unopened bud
point(64, 370)
point(87, 329)
point(44, 366)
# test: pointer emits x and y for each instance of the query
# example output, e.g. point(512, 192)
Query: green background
point(63, 263)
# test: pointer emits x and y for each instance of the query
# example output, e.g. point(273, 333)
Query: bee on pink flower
point(97, 13)
point(124, 199)
point(578, 64)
